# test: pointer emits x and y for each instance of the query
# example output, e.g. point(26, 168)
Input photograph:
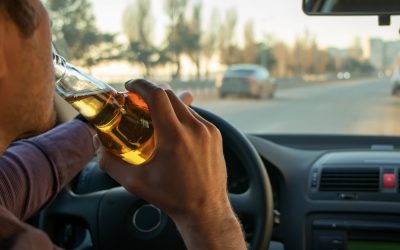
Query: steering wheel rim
point(94, 210)
point(259, 192)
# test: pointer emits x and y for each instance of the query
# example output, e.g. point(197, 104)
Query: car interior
point(291, 190)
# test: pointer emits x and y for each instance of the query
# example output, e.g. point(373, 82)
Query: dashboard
point(331, 192)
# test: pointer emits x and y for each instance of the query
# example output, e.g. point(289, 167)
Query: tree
point(282, 55)
point(307, 57)
point(177, 31)
point(252, 49)
point(229, 28)
point(210, 39)
point(137, 21)
point(256, 52)
point(193, 38)
point(301, 60)
point(264, 56)
point(74, 25)
point(230, 53)
point(357, 67)
point(137, 24)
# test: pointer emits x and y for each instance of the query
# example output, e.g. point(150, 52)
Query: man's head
point(22, 14)
point(26, 70)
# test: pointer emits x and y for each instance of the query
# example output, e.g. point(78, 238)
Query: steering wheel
point(113, 218)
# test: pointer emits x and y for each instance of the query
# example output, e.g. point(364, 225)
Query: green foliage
point(175, 9)
point(149, 57)
point(356, 67)
point(192, 43)
point(229, 52)
point(77, 37)
point(177, 32)
point(138, 24)
point(265, 57)
point(255, 52)
point(74, 24)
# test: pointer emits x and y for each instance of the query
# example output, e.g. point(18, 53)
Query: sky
point(283, 19)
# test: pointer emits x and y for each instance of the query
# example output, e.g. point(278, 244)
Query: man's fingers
point(124, 173)
point(200, 118)
point(185, 96)
point(183, 112)
point(161, 110)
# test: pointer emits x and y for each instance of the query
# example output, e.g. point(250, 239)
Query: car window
point(332, 75)
point(242, 72)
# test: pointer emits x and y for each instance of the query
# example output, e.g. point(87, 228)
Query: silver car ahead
point(247, 80)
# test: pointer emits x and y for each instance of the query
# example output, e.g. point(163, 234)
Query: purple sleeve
point(32, 171)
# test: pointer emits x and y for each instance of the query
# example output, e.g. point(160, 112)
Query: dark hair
point(22, 13)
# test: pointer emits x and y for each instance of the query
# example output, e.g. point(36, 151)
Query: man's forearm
point(32, 171)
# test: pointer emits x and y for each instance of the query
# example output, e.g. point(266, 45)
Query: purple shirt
point(33, 171)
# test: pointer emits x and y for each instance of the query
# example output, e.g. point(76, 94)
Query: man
point(186, 178)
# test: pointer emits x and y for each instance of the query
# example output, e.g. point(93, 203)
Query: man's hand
point(186, 177)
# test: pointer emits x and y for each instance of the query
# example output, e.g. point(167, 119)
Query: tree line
point(74, 25)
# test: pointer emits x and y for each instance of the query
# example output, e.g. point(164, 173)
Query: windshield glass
point(324, 75)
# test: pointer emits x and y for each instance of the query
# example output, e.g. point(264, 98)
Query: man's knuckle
point(200, 128)
point(217, 134)
point(211, 129)
point(169, 91)
point(157, 93)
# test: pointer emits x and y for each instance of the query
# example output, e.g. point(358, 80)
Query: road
point(362, 106)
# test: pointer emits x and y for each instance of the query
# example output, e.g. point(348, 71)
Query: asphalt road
point(362, 106)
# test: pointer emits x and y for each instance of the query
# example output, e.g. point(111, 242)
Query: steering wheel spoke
point(69, 208)
point(82, 206)
point(243, 203)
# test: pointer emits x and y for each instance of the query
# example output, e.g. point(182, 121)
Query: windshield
point(324, 75)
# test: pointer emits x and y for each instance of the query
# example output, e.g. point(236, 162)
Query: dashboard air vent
point(349, 179)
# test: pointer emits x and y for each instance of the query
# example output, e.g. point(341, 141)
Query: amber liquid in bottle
point(122, 121)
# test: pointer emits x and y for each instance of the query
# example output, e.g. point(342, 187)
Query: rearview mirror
point(352, 7)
